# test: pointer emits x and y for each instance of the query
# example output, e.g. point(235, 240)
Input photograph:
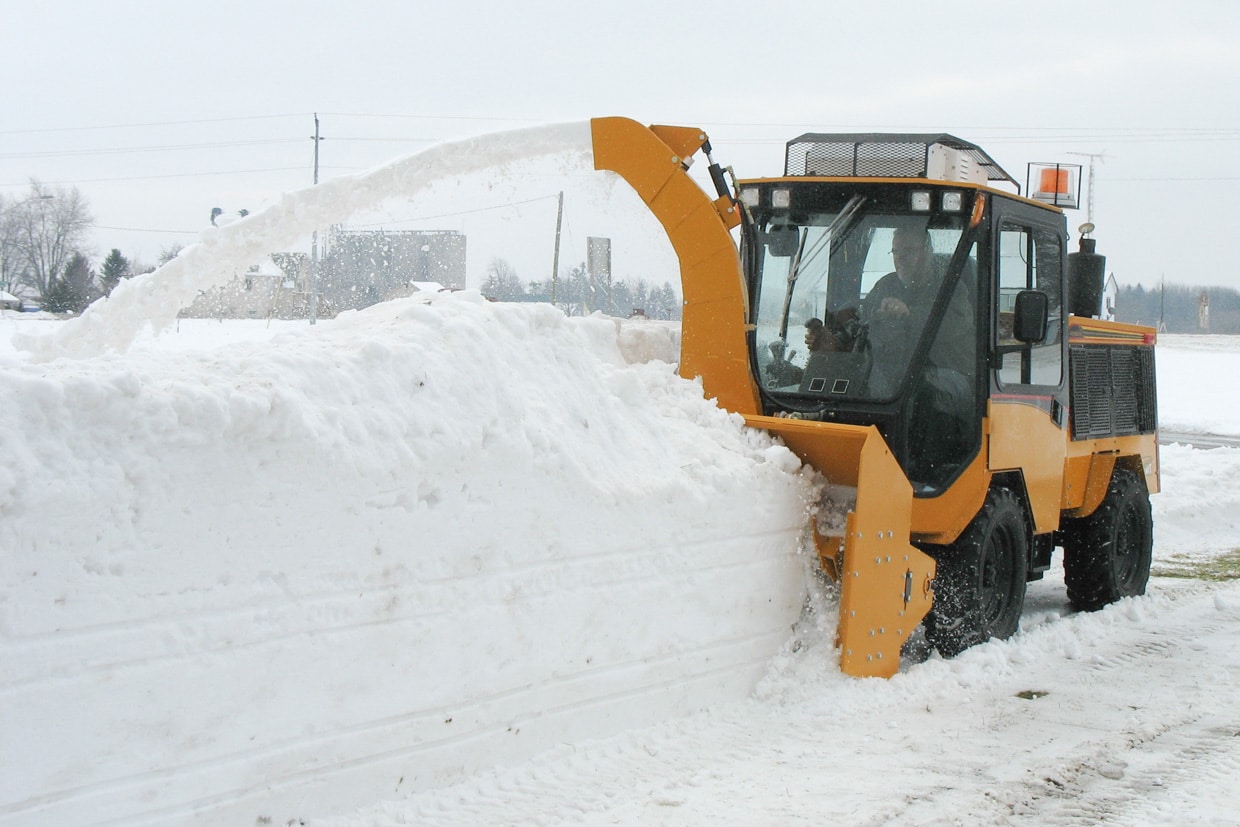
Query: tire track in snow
point(1020, 762)
point(1131, 786)
point(1124, 777)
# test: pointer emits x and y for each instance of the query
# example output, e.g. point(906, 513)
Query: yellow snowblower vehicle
point(922, 336)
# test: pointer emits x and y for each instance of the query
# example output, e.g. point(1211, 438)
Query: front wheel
point(979, 583)
point(1107, 555)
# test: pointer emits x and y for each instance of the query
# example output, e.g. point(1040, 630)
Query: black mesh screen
point(877, 155)
point(1113, 391)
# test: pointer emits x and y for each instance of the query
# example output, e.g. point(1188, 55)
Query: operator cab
point(867, 306)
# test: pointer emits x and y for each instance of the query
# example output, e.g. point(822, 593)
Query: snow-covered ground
point(457, 563)
point(445, 561)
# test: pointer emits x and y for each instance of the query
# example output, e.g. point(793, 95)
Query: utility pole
point(1089, 206)
point(314, 235)
point(1162, 305)
point(555, 260)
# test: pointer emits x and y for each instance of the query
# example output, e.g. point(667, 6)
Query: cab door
point(1028, 399)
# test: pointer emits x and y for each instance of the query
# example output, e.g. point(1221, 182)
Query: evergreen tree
point(578, 294)
point(665, 304)
point(73, 289)
point(115, 267)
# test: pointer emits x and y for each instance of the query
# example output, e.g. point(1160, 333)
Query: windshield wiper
point(794, 270)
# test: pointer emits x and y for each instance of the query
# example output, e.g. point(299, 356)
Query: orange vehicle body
point(883, 557)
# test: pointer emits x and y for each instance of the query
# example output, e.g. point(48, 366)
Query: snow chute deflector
point(884, 581)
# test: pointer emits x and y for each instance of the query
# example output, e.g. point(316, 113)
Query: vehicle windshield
point(843, 299)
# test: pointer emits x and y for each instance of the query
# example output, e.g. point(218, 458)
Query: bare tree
point(169, 253)
point(12, 263)
point(49, 226)
point(502, 282)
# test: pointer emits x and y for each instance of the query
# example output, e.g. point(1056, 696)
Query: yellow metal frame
point(713, 322)
point(885, 583)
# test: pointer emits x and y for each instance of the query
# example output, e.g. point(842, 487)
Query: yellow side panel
point(1085, 482)
point(1090, 463)
point(1084, 330)
point(943, 518)
point(698, 227)
point(1024, 437)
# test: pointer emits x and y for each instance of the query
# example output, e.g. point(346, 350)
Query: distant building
point(275, 288)
point(404, 291)
point(357, 268)
point(362, 267)
point(1110, 296)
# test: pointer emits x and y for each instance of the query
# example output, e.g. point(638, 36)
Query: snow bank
point(1195, 394)
point(369, 557)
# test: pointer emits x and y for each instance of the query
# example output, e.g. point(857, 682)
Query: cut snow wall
point(271, 581)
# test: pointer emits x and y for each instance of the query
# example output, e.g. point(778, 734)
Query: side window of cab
point(1030, 258)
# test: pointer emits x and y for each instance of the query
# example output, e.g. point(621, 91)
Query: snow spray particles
point(223, 252)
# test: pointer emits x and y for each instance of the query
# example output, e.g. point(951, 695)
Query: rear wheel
point(1107, 555)
point(979, 584)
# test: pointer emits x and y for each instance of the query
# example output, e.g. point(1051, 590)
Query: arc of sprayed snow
point(154, 298)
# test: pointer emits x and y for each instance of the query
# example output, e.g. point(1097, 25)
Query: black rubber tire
point(980, 580)
point(1107, 555)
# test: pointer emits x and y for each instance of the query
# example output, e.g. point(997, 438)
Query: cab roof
point(891, 155)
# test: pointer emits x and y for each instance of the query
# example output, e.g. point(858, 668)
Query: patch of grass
point(1225, 566)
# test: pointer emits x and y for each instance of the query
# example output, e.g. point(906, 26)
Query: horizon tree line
point(44, 256)
point(580, 293)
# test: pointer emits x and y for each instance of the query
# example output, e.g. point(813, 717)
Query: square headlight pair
point(951, 201)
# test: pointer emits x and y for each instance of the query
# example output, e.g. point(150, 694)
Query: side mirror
point(1031, 317)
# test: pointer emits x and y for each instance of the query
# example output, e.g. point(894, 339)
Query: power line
point(147, 230)
point(1180, 178)
point(42, 130)
point(196, 121)
point(1125, 137)
point(461, 212)
point(128, 149)
point(392, 140)
point(178, 175)
point(1103, 131)
point(435, 117)
point(1222, 132)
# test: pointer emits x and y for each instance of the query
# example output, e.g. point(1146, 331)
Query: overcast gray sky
point(159, 111)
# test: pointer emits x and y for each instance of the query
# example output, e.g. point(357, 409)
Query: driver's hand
point(893, 308)
point(821, 339)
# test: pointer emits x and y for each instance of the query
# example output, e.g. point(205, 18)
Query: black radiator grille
point(1113, 391)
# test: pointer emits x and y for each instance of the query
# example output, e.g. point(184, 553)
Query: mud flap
point(884, 581)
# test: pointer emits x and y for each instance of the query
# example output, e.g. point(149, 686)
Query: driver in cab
point(899, 304)
point(911, 284)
